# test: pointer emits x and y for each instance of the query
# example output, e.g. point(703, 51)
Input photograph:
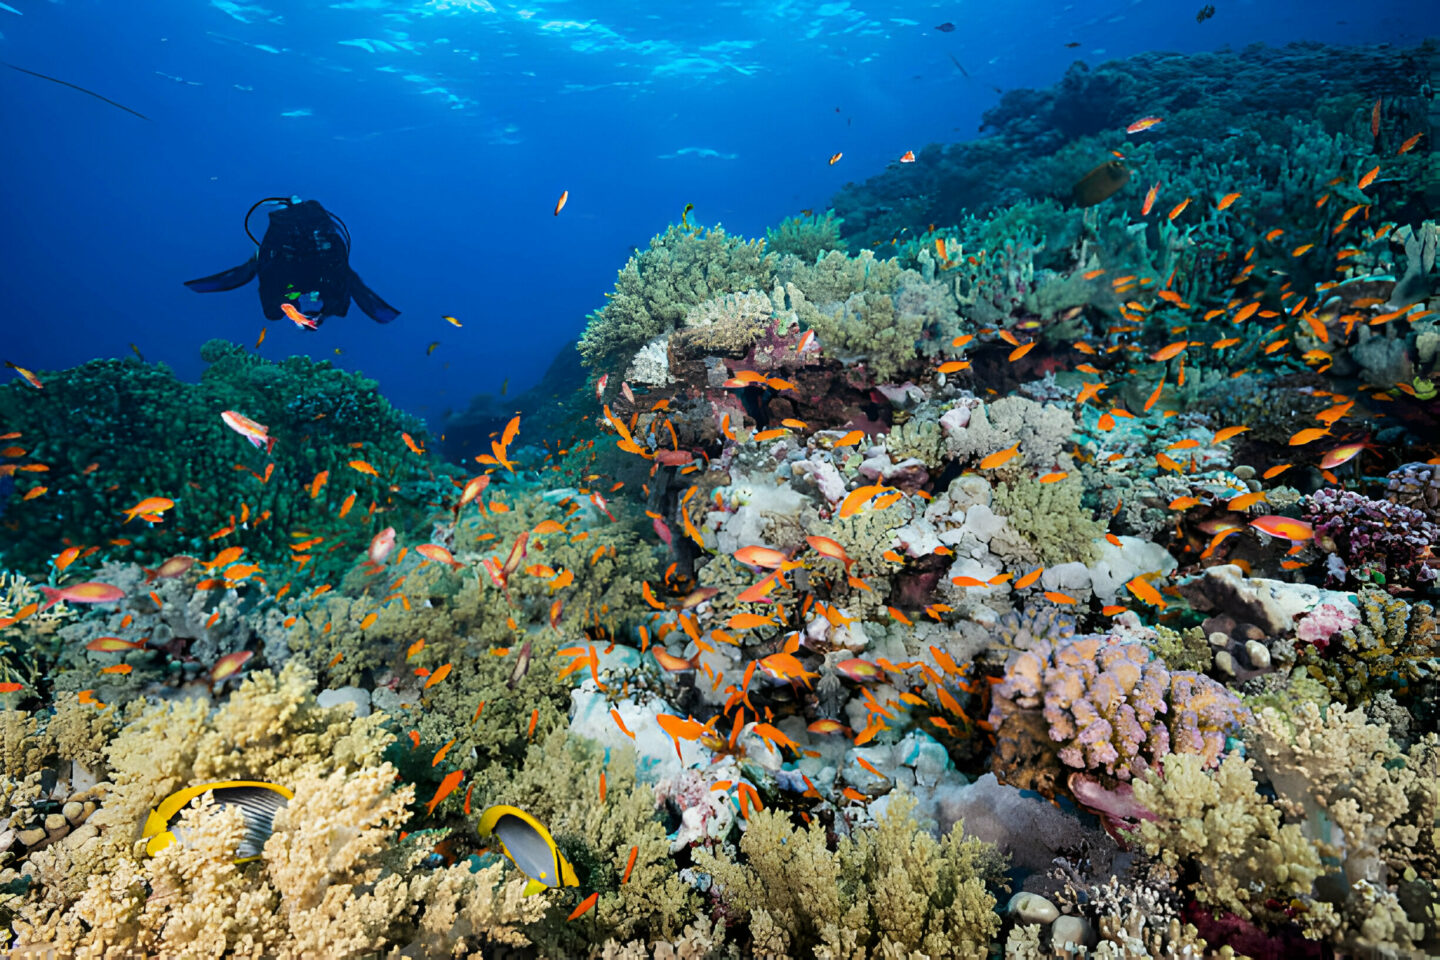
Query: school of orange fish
point(779, 611)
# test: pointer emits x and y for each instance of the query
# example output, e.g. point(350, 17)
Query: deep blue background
point(446, 153)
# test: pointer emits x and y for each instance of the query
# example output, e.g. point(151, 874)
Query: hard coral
point(1113, 707)
point(1369, 537)
point(890, 890)
point(682, 267)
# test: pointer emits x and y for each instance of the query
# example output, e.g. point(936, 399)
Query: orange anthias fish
point(447, 787)
point(433, 551)
point(1144, 123)
point(30, 378)
point(999, 458)
point(1149, 200)
point(149, 509)
point(1284, 527)
point(1145, 592)
point(829, 548)
point(257, 434)
point(1343, 454)
point(81, 593)
point(298, 318)
point(229, 665)
point(1309, 436)
point(758, 556)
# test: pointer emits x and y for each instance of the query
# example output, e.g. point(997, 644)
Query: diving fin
point(230, 279)
point(368, 301)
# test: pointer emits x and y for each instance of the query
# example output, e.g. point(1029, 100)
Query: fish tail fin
point(52, 597)
point(269, 444)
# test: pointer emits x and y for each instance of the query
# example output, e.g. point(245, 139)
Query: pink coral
point(1114, 707)
point(1324, 622)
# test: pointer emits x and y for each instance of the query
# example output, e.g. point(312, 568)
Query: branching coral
point(1335, 767)
point(1393, 645)
point(1372, 537)
point(680, 269)
point(1112, 706)
point(891, 889)
point(559, 784)
point(1219, 823)
point(1046, 523)
point(806, 237)
point(333, 882)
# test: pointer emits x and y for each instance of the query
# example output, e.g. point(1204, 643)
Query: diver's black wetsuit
point(305, 253)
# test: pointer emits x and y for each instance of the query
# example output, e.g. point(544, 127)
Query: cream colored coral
point(1339, 763)
point(1221, 823)
point(893, 889)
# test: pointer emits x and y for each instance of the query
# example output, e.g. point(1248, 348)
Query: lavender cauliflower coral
point(1365, 536)
point(1114, 707)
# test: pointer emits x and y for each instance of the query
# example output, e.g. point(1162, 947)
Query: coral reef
point(831, 588)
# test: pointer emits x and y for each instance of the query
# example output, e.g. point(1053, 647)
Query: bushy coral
point(1366, 537)
point(333, 880)
point(1113, 706)
point(807, 237)
point(1351, 797)
point(681, 268)
point(113, 432)
point(892, 889)
point(1246, 856)
point(862, 308)
point(1045, 523)
point(559, 783)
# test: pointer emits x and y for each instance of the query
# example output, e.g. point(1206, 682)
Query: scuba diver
point(304, 265)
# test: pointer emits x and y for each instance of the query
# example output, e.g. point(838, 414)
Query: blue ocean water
point(443, 133)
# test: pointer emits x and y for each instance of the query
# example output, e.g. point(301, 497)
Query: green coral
point(149, 434)
point(918, 436)
point(1183, 650)
point(861, 307)
point(681, 269)
point(1395, 645)
point(1046, 523)
point(807, 237)
point(477, 628)
point(885, 891)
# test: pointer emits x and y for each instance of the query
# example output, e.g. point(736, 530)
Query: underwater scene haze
point(663, 481)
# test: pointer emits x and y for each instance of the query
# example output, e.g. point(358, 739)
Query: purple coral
point(1364, 535)
point(1113, 706)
